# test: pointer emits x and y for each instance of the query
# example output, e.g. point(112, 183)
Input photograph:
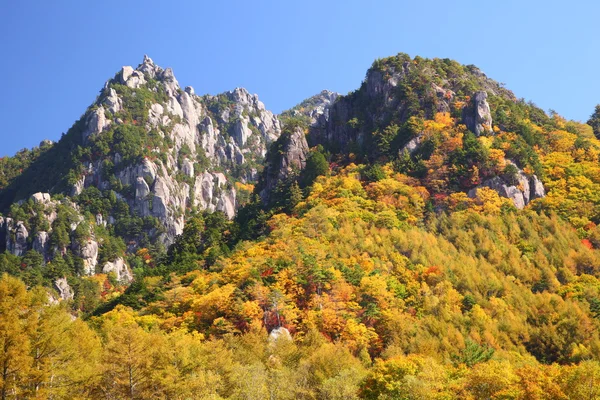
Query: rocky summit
point(428, 235)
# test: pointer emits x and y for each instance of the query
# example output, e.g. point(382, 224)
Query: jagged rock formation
point(478, 117)
point(120, 269)
point(209, 143)
point(521, 191)
point(288, 156)
point(78, 238)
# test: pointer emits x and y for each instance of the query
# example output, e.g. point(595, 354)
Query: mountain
point(141, 157)
point(427, 236)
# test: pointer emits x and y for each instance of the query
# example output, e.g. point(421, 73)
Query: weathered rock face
point(41, 243)
point(521, 191)
point(41, 198)
point(478, 117)
point(289, 155)
point(64, 289)
point(213, 141)
point(537, 188)
point(120, 269)
point(14, 236)
point(88, 251)
point(412, 144)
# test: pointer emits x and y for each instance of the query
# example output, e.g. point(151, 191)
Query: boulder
point(96, 123)
point(40, 198)
point(155, 114)
point(126, 72)
point(171, 84)
point(112, 101)
point(280, 333)
point(132, 78)
point(147, 67)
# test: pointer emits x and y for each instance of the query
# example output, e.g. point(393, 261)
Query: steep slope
point(385, 120)
point(397, 88)
point(160, 149)
point(124, 177)
point(426, 236)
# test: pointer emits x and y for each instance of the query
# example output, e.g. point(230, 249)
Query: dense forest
point(427, 236)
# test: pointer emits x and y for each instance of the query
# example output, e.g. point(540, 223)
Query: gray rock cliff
point(478, 117)
point(288, 157)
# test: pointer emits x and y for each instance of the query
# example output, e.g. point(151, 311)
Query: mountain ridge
point(428, 235)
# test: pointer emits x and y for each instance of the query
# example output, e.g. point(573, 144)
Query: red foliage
point(433, 270)
point(587, 243)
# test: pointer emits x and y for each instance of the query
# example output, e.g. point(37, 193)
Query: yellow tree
point(127, 363)
point(15, 323)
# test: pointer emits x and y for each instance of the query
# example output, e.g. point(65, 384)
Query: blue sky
point(56, 55)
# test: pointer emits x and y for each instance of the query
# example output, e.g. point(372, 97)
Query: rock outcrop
point(13, 236)
point(120, 269)
point(287, 156)
point(412, 145)
point(88, 251)
point(64, 289)
point(477, 116)
point(521, 189)
point(41, 243)
point(81, 242)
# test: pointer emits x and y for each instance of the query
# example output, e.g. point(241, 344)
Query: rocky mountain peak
point(165, 151)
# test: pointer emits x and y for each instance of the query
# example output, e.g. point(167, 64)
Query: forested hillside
point(427, 236)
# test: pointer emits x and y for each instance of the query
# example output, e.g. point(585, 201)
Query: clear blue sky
point(56, 55)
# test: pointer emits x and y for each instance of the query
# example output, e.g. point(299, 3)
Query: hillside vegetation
point(429, 236)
